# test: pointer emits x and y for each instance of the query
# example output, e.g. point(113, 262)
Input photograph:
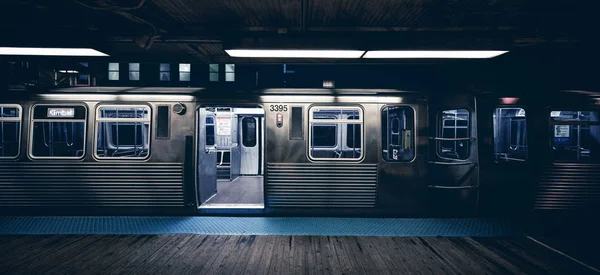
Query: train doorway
point(230, 158)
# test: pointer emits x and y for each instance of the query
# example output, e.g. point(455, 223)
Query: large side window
point(397, 138)
point(122, 131)
point(58, 131)
point(335, 133)
point(454, 134)
point(575, 136)
point(10, 130)
point(510, 134)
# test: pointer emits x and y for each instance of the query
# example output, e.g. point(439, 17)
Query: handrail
point(454, 187)
point(452, 139)
point(452, 163)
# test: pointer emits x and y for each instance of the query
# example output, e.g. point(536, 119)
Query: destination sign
point(61, 112)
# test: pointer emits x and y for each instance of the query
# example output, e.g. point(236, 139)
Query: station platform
point(267, 245)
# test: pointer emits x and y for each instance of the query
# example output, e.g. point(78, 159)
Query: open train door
point(453, 172)
point(207, 156)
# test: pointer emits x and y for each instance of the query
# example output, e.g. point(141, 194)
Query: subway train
point(374, 152)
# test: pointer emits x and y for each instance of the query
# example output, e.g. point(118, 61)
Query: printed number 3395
point(278, 108)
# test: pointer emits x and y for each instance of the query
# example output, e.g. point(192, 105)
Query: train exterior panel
point(293, 151)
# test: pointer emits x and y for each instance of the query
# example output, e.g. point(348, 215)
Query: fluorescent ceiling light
point(296, 53)
point(50, 51)
point(433, 54)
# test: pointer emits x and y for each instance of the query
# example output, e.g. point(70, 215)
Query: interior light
point(433, 54)
point(68, 71)
point(328, 84)
point(509, 100)
point(296, 53)
point(50, 51)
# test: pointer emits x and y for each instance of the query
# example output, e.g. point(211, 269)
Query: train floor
point(245, 245)
point(244, 191)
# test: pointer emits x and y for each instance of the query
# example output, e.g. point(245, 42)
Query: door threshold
point(232, 206)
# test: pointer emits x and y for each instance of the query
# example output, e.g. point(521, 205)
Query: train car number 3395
point(278, 108)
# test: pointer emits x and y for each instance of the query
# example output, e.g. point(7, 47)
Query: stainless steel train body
point(319, 151)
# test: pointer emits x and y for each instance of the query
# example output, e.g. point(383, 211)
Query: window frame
point(32, 121)
point(114, 71)
point(98, 120)
point(526, 127)
point(129, 71)
point(312, 121)
point(414, 136)
point(14, 119)
point(161, 71)
point(182, 72)
point(439, 128)
point(255, 132)
point(552, 123)
point(214, 126)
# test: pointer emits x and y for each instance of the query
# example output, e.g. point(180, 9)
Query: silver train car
point(102, 150)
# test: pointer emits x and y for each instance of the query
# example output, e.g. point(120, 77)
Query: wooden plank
point(199, 254)
point(255, 254)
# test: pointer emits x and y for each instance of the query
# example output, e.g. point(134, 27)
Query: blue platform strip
point(258, 226)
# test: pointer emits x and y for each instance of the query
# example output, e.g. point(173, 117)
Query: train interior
point(230, 158)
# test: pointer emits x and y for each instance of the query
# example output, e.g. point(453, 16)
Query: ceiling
point(198, 30)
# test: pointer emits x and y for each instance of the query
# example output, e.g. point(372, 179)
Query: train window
point(249, 132)
point(58, 131)
point(10, 130)
point(324, 135)
point(335, 133)
point(454, 126)
point(122, 131)
point(510, 134)
point(575, 136)
point(397, 128)
point(210, 130)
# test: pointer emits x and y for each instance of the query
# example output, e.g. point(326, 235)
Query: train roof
point(205, 91)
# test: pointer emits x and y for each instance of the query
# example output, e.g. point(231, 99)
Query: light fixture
point(68, 71)
point(328, 84)
point(50, 51)
point(295, 53)
point(433, 54)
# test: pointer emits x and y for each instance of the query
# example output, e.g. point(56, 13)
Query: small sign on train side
point(223, 125)
point(61, 112)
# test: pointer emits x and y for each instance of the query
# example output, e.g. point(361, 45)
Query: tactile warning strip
point(259, 226)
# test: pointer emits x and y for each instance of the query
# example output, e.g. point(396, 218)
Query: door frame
point(197, 136)
point(468, 182)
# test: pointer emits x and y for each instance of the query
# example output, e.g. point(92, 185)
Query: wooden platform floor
point(223, 254)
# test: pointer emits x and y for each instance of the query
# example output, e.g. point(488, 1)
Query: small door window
point(398, 125)
point(510, 134)
point(454, 134)
point(249, 132)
